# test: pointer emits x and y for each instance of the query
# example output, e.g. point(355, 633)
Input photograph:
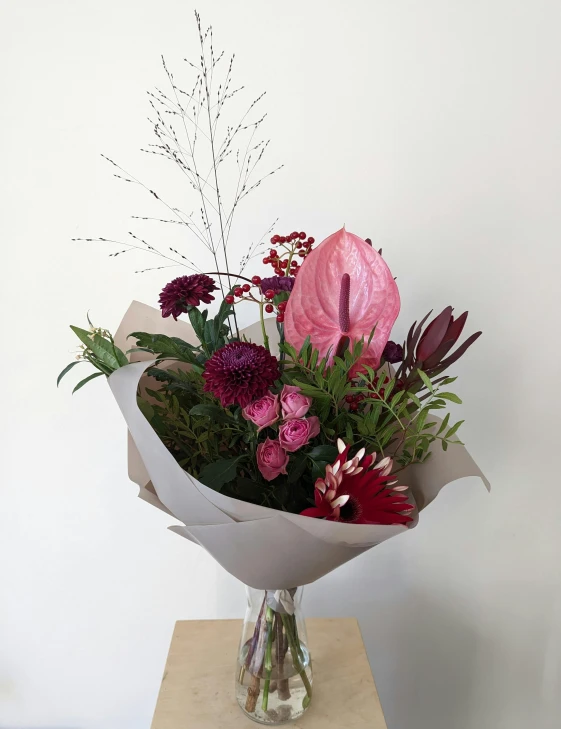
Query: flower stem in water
point(268, 665)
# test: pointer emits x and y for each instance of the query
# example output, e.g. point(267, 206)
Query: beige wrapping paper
point(263, 547)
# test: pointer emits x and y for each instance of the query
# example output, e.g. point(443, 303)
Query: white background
point(432, 127)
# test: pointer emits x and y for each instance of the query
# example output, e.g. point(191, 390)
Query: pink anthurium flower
point(343, 290)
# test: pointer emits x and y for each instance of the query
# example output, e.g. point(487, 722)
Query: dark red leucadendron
point(427, 350)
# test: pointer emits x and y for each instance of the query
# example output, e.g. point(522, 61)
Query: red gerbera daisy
point(240, 372)
point(358, 491)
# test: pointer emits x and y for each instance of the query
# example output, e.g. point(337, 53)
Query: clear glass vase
point(274, 669)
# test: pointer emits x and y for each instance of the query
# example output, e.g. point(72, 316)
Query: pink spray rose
point(293, 434)
point(263, 412)
point(293, 403)
point(271, 459)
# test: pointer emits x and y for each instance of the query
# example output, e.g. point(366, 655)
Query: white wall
point(431, 126)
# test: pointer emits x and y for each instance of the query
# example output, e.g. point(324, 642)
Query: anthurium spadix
point(343, 291)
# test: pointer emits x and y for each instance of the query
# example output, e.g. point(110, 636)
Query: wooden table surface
point(197, 690)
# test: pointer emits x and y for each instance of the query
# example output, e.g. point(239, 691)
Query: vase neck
point(283, 601)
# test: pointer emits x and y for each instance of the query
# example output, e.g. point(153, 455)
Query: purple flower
point(240, 372)
point(393, 353)
point(277, 283)
point(181, 293)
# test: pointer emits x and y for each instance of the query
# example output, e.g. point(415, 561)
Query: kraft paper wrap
point(262, 547)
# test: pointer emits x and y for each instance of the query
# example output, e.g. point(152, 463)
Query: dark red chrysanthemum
point(240, 372)
point(181, 293)
point(277, 284)
point(393, 353)
point(360, 491)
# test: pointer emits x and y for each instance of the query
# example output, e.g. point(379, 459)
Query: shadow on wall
point(423, 653)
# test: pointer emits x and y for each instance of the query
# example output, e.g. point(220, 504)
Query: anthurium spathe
point(343, 291)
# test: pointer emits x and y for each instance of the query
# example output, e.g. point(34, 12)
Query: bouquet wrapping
point(264, 548)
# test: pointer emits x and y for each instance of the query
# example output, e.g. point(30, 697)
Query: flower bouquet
point(296, 444)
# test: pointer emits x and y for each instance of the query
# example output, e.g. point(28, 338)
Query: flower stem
point(268, 665)
point(263, 330)
point(295, 650)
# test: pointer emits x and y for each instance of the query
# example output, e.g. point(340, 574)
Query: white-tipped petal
point(400, 488)
point(331, 493)
point(340, 445)
point(360, 455)
point(384, 462)
point(358, 470)
point(320, 486)
point(346, 466)
point(336, 467)
point(387, 470)
point(340, 501)
point(328, 469)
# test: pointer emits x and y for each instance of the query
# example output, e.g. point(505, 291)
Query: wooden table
point(197, 690)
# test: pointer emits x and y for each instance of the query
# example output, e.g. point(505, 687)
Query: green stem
point(294, 643)
point(263, 330)
point(268, 659)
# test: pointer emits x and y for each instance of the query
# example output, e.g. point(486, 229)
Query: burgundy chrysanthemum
point(240, 372)
point(393, 353)
point(186, 291)
point(277, 283)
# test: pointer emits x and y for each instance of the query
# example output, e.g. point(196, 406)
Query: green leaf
point(67, 369)
point(323, 453)
point(420, 421)
point(297, 468)
point(454, 429)
point(166, 347)
point(444, 445)
point(450, 396)
point(425, 380)
point(414, 399)
point(87, 379)
point(102, 351)
point(214, 412)
point(215, 475)
point(444, 424)
point(145, 408)
point(112, 351)
point(318, 469)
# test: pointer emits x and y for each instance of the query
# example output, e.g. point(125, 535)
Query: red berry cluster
point(269, 308)
point(244, 293)
point(354, 401)
point(283, 259)
point(240, 291)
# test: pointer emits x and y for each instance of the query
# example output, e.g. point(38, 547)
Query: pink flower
point(263, 412)
point(272, 460)
point(293, 403)
point(295, 433)
point(343, 291)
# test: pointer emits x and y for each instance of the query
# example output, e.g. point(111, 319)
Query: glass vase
point(274, 669)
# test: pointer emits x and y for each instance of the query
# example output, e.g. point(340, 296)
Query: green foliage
point(99, 349)
point(365, 407)
point(216, 474)
point(386, 419)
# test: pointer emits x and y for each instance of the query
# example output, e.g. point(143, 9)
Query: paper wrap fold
point(264, 548)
